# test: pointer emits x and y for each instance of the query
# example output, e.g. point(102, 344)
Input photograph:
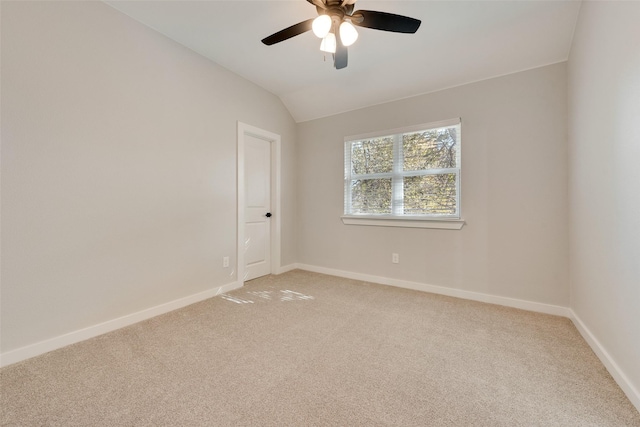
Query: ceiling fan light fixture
point(337, 19)
point(321, 26)
point(328, 43)
point(348, 33)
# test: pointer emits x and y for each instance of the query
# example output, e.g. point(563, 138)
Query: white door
point(257, 228)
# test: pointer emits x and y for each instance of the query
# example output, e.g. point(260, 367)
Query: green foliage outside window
point(372, 156)
point(413, 174)
point(371, 196)
point(434, 149)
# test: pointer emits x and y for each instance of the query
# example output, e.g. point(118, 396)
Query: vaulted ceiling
point(458, 42)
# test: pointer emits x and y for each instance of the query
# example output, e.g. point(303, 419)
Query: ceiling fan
point(335, 26)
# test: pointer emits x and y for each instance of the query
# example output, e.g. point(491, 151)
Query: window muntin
point(405, 173)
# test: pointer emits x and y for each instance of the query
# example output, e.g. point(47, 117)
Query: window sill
point(411, 222)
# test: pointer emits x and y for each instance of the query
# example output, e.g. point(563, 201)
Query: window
point(411, 173)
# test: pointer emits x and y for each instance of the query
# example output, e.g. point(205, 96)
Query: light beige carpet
point(306, 349)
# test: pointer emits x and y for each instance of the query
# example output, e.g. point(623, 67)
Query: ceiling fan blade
point(287, 33)
point(340, 58)
point(385, 21)
point(348, 6)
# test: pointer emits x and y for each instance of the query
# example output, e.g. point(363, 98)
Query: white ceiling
point(458, 42)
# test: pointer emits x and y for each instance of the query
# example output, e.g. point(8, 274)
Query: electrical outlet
point(395, 258)
point(225, 262)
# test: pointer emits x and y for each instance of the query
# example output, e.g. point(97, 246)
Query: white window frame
point(397, 218)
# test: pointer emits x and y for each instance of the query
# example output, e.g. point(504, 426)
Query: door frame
point(275, 222)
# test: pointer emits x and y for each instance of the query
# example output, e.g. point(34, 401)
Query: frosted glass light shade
point(321, 26)
point(329, 43)
point(348, 33)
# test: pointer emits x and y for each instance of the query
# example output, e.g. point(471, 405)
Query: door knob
point(268, 215)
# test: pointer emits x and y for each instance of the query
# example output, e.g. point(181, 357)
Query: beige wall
point(118, 168)
point(118, 172)
point(604, 182)
point(514, 192)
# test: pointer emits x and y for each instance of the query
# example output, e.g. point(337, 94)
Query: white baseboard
point(286, 268)
point(55, 343)
point(618, 375)
point(441, 290)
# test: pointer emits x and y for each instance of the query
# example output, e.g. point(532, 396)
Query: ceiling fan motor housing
point(341, 11)
point(336, 10)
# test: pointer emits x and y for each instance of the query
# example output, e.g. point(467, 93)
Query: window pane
point(371, 196)
point(372, 156)
point(430, 194)
point(432, 149)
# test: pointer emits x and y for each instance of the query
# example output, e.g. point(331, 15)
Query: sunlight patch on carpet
point(235, 299)
point(282, 295)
